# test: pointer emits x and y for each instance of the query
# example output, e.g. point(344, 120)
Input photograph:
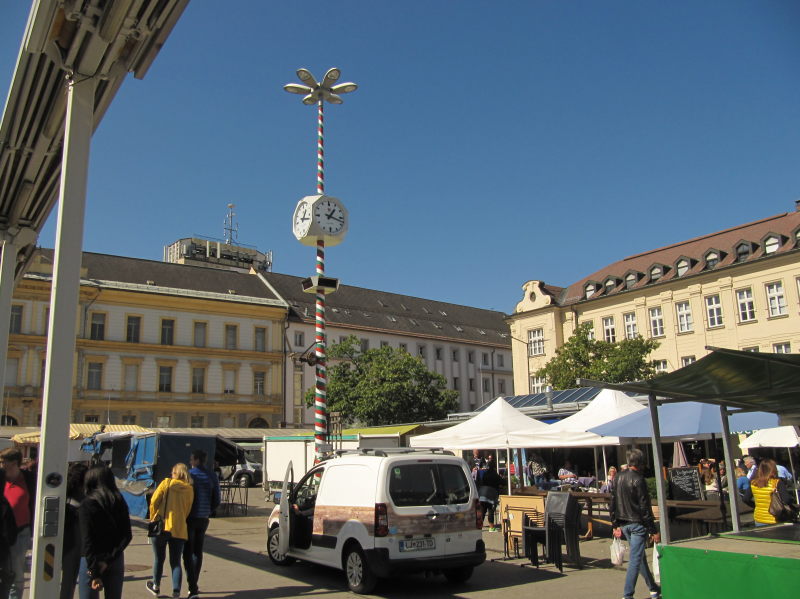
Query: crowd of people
point(97, 527)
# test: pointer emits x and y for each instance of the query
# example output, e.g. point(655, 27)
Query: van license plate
point(417, 544)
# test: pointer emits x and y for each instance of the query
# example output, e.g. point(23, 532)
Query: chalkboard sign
point(684, 483)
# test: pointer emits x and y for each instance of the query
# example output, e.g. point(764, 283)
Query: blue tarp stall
point(140, 461)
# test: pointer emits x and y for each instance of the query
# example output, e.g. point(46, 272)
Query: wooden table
point(709, 516)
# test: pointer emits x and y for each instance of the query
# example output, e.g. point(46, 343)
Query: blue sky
point(489, 143)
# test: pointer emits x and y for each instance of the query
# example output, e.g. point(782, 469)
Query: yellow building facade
point(738, 288)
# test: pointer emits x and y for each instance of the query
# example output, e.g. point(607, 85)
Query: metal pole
point(57, 404)
point(794, 476)
point(733, 492)
point(7, 263)
point(657, 461)
point(320, 389)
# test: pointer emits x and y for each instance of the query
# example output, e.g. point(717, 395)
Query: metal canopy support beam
point(658, 461)
point(733, 494)
point(7, 263)
point(48, 531)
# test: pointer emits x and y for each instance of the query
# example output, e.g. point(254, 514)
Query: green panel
point(699, 573)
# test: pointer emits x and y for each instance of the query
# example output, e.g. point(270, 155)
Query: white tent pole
point(508, 469)
point(596, 473)
point(661, 490)
point(605, 465)
point(733, 492)
point(794, 476)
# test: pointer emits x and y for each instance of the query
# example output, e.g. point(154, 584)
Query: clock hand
point(341, 220)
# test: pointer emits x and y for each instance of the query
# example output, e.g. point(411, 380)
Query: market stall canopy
point(729, 377)
point(573, 431)
point(780, 436)
point(498, 426)
point(685, 420)
point(81, 430)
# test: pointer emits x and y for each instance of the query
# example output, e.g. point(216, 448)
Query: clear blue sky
point(489, 143)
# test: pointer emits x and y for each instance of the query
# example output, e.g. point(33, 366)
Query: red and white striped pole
point(320, 389)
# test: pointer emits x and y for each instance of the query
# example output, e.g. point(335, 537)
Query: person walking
point(20, 492)
point(171, 503)
point(206, 500)
point(8, 536)
point(632, 516)
point(488, 494)
point(105, 533)
point(71, 548)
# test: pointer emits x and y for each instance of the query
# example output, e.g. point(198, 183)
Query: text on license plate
point(417, 544)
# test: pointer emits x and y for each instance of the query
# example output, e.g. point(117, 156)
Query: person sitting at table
point(743, 486)
point(764, 482)
point(783, 472)
point(537, 468)
point(566, 474)
point(709, 479)
point(608, 486)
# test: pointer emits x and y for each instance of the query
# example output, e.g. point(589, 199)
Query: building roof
point(359, 308)
point(149, 276)
point(785, 226)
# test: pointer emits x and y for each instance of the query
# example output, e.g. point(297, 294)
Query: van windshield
point(428, 484)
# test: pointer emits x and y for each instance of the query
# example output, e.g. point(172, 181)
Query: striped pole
point(320, 389)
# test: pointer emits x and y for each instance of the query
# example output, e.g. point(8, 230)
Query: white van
point(378, 512)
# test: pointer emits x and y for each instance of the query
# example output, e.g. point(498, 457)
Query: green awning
point(398, 429)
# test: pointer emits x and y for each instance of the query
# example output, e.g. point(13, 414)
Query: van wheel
point(279, 559)
point(360, 578)
point(458, 575)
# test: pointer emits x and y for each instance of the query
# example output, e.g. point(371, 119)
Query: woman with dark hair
point(488, 494)
point(105, 533)
point(71, 556)
point(764, 482)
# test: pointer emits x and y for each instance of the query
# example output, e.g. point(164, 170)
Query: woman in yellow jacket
point(764, 482)
point(171, 503)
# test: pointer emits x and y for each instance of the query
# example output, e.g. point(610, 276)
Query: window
point(590, 332)
point(661, 365)
point(685, 322)
point(536, 342)
point(128, 419)
point(682, 267)
point(754, 348)
point(131, 377)
point(428, 484)
point(686, 360)
point(165, 379)
point(162, 421)
point(631, 331)
point(299, 339)
point(656, 322)
point(609, 331)
point(500, 361)
point(15, 324)
point(782, 348)
point(743, 251)
point(472, 384)
point(630, 280)
point(486, 385)
point(501, 387)
point(12, 368)
point(92, 418)
point(260, 339)
point(455, 383)
point(259, 378)
point(537, 384)
point(455, 355)
point(485, 359)
point(747, 308)
point(98, 327)
point(775, 299)
point(421, 351)
point(231, 334)
point(403, 346)
point(197, 421)
point(771, 244)
point(229, 381)
point(200, 330)
point(656, 273)
point(46, 321)
point(133, 329)
point(198, 379)
point(364, 345)
point(94, 376)
point(471, 354)
point(437, 353)
point(589, 290)
point(714, 311)
point(384, 343)
point(712, 259)
point(167, 331)
point(610, 284)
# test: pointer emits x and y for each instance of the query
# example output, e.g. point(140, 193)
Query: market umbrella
point(679, 456)
point(779, 436)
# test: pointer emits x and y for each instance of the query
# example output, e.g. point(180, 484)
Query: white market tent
point(498, 426)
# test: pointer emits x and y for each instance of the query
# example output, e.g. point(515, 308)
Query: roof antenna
point(231, 228)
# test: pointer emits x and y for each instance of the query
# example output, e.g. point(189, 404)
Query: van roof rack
point(386, 451)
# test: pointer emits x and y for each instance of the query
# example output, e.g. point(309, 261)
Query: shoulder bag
point(779, 510)
point(155, 528)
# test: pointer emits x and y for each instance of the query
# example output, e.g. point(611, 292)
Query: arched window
point(258, 423)
point(6, 420)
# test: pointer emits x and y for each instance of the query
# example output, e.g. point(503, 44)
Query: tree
point(385, 385)
point(584, 357)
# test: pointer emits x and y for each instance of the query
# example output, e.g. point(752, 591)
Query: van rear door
point(459, 498)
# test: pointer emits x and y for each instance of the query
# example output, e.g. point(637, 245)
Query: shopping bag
point(656, 570)
point(617, 552)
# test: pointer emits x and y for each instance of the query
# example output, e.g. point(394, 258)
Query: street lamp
point(318, 219)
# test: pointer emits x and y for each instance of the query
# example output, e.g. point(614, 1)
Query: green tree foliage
point(383, 386)
point(584, 357)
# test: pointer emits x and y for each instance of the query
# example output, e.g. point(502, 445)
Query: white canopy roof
point(608, 405)
point(780, 436)
point(498, 426)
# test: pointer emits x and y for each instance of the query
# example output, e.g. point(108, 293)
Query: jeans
point(18, 552)
point(160, 544)
point(637, 538)
point(193, 551)
point(70, 563)
point(112, 580)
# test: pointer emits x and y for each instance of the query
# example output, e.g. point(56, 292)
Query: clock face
point(302, 219)
point(329, 216)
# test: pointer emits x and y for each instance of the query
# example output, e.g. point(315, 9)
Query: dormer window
point(631, 279)
point(712, 259)
point(589, 290)
point(771, 244)
point(743, 251)
point(682, 267)
point(656, 273)
point(610, 284)
point(797, 238)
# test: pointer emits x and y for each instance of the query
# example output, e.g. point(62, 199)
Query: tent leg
point(661, 490)
point(605, 464)
point(733, 494)
point(508, 469)
point(794, 476)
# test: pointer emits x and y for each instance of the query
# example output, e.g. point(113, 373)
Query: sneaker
point(152, 587)
point(194, 596)
point(655, 594)
point(176, 595)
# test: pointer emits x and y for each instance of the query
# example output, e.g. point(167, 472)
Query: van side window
point(305, 495)
point(428, 484)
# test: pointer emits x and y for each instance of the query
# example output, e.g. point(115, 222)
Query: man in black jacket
point(632, 516)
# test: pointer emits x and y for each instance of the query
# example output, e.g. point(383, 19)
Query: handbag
point(155, 528)
point(617, 552)
point(779, 510)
